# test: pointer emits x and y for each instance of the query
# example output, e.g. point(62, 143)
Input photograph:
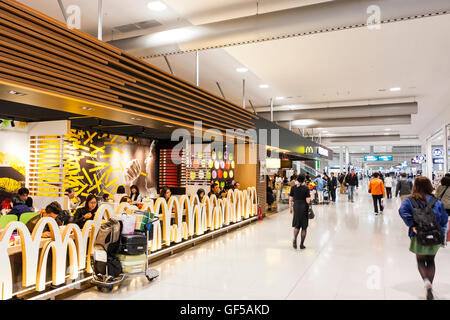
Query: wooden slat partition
point(42, 53)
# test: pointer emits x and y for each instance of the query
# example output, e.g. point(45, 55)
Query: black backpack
point(429, 231)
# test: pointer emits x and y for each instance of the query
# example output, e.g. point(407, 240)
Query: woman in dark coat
point(299, 201)
point(87, 212)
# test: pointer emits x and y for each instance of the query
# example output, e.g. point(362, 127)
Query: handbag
point(311, 214)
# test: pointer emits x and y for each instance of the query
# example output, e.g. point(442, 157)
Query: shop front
point(82, 115)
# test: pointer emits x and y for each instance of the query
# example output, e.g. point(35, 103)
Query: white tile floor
point(350, 254)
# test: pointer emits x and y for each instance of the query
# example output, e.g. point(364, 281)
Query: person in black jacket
point(19, 207)
point(23, 194)
point(87, 212)
point(332, 186)
point(53, 210)
point(351, 181)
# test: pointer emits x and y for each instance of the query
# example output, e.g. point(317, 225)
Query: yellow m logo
point(309, 149)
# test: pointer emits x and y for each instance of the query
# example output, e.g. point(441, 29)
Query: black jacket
point(352, 181)
point(79, 219)
point(332, 182)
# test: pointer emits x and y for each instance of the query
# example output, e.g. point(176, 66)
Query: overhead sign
point(378, 158)
point(273, 163)
point(322, 151)
point(438, 152)
point(438, 160)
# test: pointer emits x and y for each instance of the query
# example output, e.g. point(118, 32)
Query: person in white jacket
point(388, 184)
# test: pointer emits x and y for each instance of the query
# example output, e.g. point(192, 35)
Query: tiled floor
point(350, 254)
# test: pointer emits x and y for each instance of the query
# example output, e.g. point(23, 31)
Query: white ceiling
point(321, 69)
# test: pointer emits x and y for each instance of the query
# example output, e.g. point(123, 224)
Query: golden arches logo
point(78, 244)
point(309, 149)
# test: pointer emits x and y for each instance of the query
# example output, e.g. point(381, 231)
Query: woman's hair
point(121, 189)
point(199, 192)
point(421, 188)
point(54, 207)
point(124, 199)
point(301, 178)
point(163, 191)
point(88, 199)
point(134, 187)
point(105, 196)
point(445, 181)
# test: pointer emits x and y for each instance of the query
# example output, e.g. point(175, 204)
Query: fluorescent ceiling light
point(157, 6)
point(263, 86)
point(242, 69)
point(387, 129)
point(279, 98)
point(170, 36)
point(304, 122)
point(395, 89)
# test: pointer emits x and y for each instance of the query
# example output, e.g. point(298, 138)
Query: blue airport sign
point(438, 160)
point(378, 158)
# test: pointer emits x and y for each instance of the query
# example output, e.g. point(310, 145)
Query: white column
point(347, 157)
point(341, 158)
point(445, 149)
point(429, 157)
point(100, 20)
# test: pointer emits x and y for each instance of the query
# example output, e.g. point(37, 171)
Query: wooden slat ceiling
point(40, 52)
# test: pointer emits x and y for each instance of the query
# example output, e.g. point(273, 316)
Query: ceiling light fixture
point(279, 98)
point(157, 6)
point(395, 89)
point(388, 129)
point(263, 86)
point(87, 108)
point(168, 126)
point(137, 119)
point(242, 69)
point(16, 93)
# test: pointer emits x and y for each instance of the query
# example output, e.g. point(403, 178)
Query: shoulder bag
point(311, 214)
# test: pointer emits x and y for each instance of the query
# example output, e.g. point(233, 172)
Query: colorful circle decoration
point(225, 155)
point(233, 165)
point(213, 155)
point(211, 163)
point(233, 182)
point(230, 157)
point(203, 163)
point(220, 155)
point(225, 174)
point(227, 165)
point(195, 164)
point(201, 175)
point(208, 175)
point(222, 164)
point(231, 174)
point(220, 174)
point(217, 164)
point(192, 175)
point(222, 184)
point(214, 174)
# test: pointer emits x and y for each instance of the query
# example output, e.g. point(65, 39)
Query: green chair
point(4, 220)
point(25, 217)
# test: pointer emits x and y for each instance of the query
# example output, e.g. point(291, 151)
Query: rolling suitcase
point(132, 263)
point(133, 244)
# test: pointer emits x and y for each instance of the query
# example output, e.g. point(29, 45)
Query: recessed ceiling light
point(395, 89)
point(16, 93)
point(169, 126)
point(386, 134)
point(87, 108)
point(157, 6)
point(387, 129)
point(263, 86)
point(242, 69)
point(279, 98)
point(137, 119)
point(324, 131)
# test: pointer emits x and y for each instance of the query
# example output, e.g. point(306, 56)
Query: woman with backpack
point(425, 230)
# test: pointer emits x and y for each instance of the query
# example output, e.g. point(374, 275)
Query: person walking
point(404, 187)
point(376, 188)
point(299, 202)
point(278, 185)
point(388, 183)
point(443, 194)
point(422, 197)
point(342, 182)
point(351, 181)
point(332, 186)
point(320, 188)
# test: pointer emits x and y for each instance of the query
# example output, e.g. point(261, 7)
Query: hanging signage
point(322, 151)
point(378, 158)
point(438, 161)
point(370, 158)
point(385, 158)
point(438, 152)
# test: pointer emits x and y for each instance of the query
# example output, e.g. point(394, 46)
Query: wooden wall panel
point(41, 52)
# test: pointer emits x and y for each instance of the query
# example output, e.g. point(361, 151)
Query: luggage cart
point(107, 283)
point(326, 196)
point(285, 190)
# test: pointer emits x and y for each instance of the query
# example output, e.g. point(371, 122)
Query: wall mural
point(100, 163)
point(201, 217)
point(12, 158)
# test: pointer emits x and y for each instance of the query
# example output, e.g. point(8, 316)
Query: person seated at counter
point(215, 190)
point(23, 194)
point(200, 194)
point(223, 194)
point(53, 210)
point(237, 186)
point(19, 207)
point(135, 195)
point(126, 199)
point(74, 201)
point(119, 194)
point(105, 197)
point(87, 212)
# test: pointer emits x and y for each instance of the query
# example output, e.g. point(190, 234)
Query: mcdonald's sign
point(309, 149)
